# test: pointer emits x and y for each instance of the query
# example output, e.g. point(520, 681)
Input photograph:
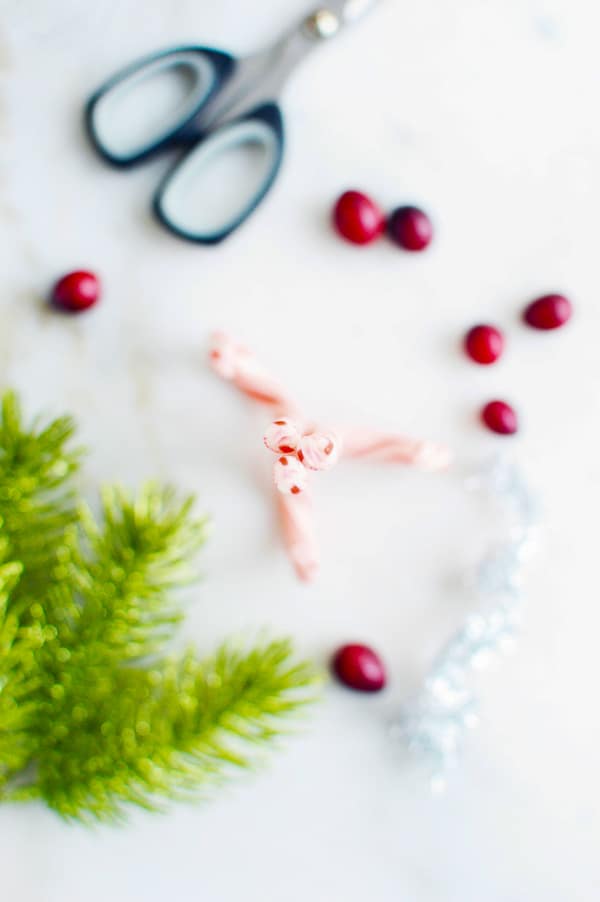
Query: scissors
point(222, 111)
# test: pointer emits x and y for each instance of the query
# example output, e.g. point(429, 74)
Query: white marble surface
point(486, 113)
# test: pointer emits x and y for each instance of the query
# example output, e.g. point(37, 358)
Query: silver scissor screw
point(322, 24)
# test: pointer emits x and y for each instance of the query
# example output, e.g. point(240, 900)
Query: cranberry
point(484, 344)
point(357, 218)
point(360, 668)
point(500, 417)
point(410, 228)
point(76, 291)
point(549, 312)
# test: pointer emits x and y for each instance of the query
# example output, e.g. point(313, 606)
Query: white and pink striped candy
point(298, 530)
point(366, 444)
point(291, 478)
point(235, 363)
point(319, 450)
point(301, 450)
point(283, 437)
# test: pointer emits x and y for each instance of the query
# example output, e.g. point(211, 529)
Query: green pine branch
point(126, 569)
point(19, 679)
point(37, 501)
point(93, 716)
point(176, 731)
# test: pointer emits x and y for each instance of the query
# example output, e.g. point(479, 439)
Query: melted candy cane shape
point(299, 454)
point(301, 450)
point(297, 527)
point(235, 363)
point(366, 444)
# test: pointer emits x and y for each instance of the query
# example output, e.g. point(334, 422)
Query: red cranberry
point(411, 228)
point(549, 312)
point(76, 291)
point(500, 417)
point(357, 218)
point(484, 344)
point(360, 668)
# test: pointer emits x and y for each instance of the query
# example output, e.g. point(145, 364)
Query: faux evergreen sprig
point(93, 714)
point(19, 680)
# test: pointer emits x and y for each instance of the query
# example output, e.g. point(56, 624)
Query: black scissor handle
point(126, 130)
point(223, 178)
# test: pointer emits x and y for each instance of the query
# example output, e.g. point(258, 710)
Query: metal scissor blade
point(260, 77)
point(349, 11)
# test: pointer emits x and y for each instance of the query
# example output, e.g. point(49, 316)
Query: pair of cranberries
point(358, 219)
point(484, 344)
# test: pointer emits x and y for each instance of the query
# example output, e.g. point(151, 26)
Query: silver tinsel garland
point(434, 724)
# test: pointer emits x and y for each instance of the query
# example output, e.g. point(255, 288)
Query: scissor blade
point(349, 11)
point(259, 78)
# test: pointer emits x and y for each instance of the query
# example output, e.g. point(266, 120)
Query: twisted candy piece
point(299, 453)
point(319, 450)
point(302, 448)
point(297, 527)
point(283, 437)
point(235, 363)
point(395, 449)
point(291, 478)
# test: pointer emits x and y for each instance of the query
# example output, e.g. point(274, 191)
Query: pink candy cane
point(297, 526)
point(394, 449)
point(301, 449)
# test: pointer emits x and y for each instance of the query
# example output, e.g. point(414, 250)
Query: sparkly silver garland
point(434, 724)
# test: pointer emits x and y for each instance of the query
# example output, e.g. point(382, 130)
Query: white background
point(485, 112)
